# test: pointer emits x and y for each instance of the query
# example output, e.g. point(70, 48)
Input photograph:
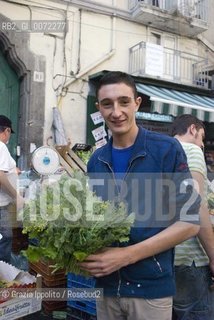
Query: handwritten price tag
point(99, 133)
point(97, 117)
point(100, 143)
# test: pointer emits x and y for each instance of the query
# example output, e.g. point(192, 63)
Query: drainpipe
point(104, 58)
point(79, 44)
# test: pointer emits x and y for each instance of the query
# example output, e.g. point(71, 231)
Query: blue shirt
point(120, 161)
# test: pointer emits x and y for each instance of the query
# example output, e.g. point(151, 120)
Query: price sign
point(97, 117)
point(99, 133)
point(100, 143)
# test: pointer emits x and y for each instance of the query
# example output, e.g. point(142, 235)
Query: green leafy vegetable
point(70, 222)
point(84, 155)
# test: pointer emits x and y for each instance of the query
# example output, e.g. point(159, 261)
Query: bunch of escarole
point(70, 222)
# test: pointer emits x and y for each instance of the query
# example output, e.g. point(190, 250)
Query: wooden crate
point(49, 278)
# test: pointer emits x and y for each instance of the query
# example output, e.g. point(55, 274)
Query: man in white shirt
point(194, 258)
point(8, 192)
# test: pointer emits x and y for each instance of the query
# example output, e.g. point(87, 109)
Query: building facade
point(53, 52)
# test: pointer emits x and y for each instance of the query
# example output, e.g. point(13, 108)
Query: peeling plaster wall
point(93, 42)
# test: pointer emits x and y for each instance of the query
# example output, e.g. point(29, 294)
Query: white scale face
point(45, 160)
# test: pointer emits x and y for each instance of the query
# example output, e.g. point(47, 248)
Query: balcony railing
point(186, 8)
point(203, 74)
point(156, 3)
point(184, 17)
point(177, 66)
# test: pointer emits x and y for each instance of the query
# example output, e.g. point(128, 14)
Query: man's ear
point(97, 105)
point(192, 129)
point(138, 103)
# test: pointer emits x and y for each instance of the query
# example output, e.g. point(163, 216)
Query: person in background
point(209, 158)
point(137, 277)
point(194, 258)
point(8, 192)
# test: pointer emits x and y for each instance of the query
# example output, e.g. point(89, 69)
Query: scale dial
point(45, 160)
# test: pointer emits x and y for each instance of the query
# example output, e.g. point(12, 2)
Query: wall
point(208, 35)
point(93, 42)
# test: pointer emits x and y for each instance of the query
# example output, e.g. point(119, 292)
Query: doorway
point(9, 99)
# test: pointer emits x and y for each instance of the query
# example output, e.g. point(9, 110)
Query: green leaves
point(66, 230)
point(79, 255)
point(84, 155)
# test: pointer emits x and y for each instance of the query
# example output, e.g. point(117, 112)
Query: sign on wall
point(154, 60)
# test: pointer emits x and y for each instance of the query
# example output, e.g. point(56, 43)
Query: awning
point(173, 102)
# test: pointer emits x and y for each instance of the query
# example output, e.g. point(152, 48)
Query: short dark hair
point(5, 122)
point(113, 77)
point(183, 122)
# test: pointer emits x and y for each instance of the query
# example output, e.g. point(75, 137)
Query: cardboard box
point(18, 307)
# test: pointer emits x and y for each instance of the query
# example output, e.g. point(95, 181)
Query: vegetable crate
point(50, 306)
point(49, 278)
point(78, 281)
point(75, 314)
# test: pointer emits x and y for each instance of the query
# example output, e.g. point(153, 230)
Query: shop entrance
point(9, 99)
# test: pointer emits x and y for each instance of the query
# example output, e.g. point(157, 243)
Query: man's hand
point(18, 171)
point(106, 261)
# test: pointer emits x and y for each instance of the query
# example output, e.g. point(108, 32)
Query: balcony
point(151, 60)
point(184, 17)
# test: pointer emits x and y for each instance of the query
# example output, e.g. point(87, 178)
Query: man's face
point(117, 104)
point(199, 138)
point(6, 135)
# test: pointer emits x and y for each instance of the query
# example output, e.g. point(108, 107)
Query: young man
point(137, 278)
point(8, 192)
point(194, 258)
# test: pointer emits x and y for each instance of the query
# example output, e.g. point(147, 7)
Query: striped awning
point(173, 102)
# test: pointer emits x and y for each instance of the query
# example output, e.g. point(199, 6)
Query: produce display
point(9, 284)
point(70, 222)
point(15, 284)
point(84, 155)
